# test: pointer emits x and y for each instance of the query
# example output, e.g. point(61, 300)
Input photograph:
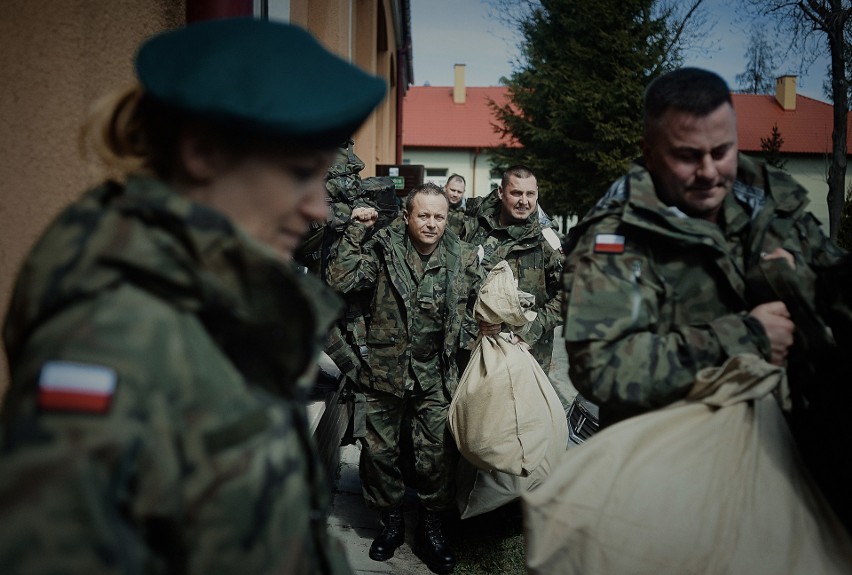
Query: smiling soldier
point(508, 223)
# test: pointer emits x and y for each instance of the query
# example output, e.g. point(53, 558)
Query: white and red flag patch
point(81, 387)
point(609, 244)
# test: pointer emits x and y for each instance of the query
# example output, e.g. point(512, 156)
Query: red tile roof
point(432, 120)
point(805, 130)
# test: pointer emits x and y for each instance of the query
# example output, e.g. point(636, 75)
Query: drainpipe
point(473, 179)
point(401, 80)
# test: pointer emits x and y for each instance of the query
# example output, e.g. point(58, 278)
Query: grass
point(491, 544)
point(492, 556)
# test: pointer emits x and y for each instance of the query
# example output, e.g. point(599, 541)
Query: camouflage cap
point(267, 76)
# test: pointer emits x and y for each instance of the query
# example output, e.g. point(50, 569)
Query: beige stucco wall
point(812, 173)
point(56, 58)
point(351, 29)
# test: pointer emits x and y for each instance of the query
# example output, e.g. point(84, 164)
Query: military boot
point(391, 537)
point(431, 545)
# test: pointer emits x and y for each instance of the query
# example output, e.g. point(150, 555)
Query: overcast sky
point(448, 32)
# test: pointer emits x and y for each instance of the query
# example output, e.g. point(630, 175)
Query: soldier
point(346, 190)
point(454, 188)
point(508, 223)
point(672, 271)
point(161, 341)
point(422, 280)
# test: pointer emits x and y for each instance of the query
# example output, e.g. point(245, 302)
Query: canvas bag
point(479, 491)
point(711, 485)
point(505, 415)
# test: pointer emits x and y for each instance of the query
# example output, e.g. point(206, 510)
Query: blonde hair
point(112, 139)
point(129, 132)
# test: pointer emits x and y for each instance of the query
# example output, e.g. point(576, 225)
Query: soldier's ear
point(405, 216)
point(201, 160)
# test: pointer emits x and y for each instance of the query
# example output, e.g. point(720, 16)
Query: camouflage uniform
point(644, 316)
point(413, 330)
point(455, 217)
point(200, 460)
point(535, 264)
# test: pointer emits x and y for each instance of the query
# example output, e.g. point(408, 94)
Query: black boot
point(431, 545)
point(391, 537)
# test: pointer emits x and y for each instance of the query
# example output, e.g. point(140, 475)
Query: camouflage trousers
point(434, 451)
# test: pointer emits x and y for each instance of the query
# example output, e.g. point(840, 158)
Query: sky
point(448, 32)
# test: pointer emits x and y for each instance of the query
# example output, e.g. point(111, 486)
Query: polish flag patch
point(609, 244)
point(78, 387)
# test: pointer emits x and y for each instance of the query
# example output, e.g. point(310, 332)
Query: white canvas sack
point(505, 415)
point(710, 485)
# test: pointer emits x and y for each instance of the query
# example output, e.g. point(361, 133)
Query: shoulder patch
point(79, 387)
point(609, 244)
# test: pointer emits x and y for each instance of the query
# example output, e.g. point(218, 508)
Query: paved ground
point(356, 526)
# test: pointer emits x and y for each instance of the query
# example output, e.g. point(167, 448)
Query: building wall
point(812, 173)
point(56, 58)
point(361, 32)
point(475, 168)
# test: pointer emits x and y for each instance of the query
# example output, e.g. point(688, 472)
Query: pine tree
point(771, 147)
point(576, 100)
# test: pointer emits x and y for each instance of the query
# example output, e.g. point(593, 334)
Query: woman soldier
point(159, 340)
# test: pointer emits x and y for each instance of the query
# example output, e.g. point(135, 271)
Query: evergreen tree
point(576, 97)
point(771, 147)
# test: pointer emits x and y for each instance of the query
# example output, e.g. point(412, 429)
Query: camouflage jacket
point(155, 421)
point(535, 264)
point(380, 268)
point(455, 217)
point(653, 296)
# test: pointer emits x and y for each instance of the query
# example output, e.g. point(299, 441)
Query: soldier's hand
point(490, 329)
point(780, 253)
point(367, 216)
point(518, 341)
point(776, 322)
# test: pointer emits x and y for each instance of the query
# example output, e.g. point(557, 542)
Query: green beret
point(264, 76)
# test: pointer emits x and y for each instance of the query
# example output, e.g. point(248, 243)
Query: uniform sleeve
point(78, 483)
point(622, 352)
point(475, 273)
point(549, 316)
point(353, 267)
point(189, 469)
